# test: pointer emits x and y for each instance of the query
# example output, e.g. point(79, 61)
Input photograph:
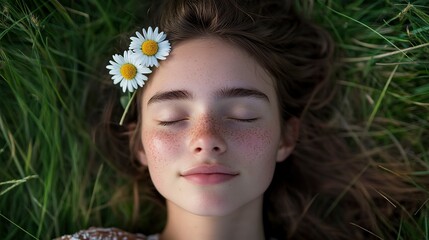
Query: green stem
point(126, 108)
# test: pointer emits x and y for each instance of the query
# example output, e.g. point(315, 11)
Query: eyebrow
point(222, 93)
point(241, 92)
point(170, 95)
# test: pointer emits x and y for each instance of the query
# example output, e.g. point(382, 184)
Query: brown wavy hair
point(327, 189)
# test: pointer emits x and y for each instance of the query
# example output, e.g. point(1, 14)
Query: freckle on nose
point(206, 128)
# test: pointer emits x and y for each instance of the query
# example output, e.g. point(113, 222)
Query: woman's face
point(211, 130)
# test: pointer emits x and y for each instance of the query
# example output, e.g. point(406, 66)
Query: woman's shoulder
point(106, 234)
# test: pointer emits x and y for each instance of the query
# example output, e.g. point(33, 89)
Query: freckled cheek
point(255, 144)
point(161, 149)
point(256, 149)
point(161, 146)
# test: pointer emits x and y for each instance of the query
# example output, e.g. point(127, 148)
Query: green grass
point(51, 50)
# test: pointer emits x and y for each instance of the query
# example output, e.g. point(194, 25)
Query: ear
point(141, 155)
point(288, 139)
point(136, 144)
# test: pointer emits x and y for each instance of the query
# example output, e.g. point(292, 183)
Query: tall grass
point(51, 50)
point(384, 84)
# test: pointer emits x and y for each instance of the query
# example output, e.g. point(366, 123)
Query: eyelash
point(168, 123)
point(244, 120)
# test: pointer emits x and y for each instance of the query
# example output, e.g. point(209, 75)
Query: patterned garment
point(107, 234)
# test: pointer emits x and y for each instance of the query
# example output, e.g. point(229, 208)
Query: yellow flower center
point(150, 47)
point(128, 71)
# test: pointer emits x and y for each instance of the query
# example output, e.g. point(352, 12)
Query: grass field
point(51, 50)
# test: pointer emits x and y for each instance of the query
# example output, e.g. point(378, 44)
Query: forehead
point(203, 65)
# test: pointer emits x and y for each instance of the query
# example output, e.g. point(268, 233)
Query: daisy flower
point(150, 46)
point(128, 71)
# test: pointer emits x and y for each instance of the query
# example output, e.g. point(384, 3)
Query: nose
point(207, 138)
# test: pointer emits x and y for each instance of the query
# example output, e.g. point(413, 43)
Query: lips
point(209, 174)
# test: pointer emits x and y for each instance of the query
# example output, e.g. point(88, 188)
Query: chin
point(212, 206)
point(216, 211)
point(209, 206)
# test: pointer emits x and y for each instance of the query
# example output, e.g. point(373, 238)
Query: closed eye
point(244, 119)
point(168, 123)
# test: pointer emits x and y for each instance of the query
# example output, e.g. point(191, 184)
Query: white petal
point(133, 39)
point(161, 37)
point(135, 44)
point(113, 63)
point(117, 80)
point(164, 48)
point(134, 83)
point(161, 57)
point(126, 56)
point(140, 61)
point(145, 60)
point(140, 82)
point(162, 53)
point(117, 76)
point(155, 62)
point(137, 49)
point(130, 86)
point(118, 58)
point(145, 70)
point(114, 72)
point(149, 62)
point(165, 52)
point(149, 33)
point(164, 36)
point(123, 85)
point(113, 66)
point(164, 44)
point(121, 61)
point(139, 35)
point(135, 59)
point(155, 32)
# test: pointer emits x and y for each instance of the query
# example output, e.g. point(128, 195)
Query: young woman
point(232, 128)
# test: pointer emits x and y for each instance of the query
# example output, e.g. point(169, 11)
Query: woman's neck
point(244, 223)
